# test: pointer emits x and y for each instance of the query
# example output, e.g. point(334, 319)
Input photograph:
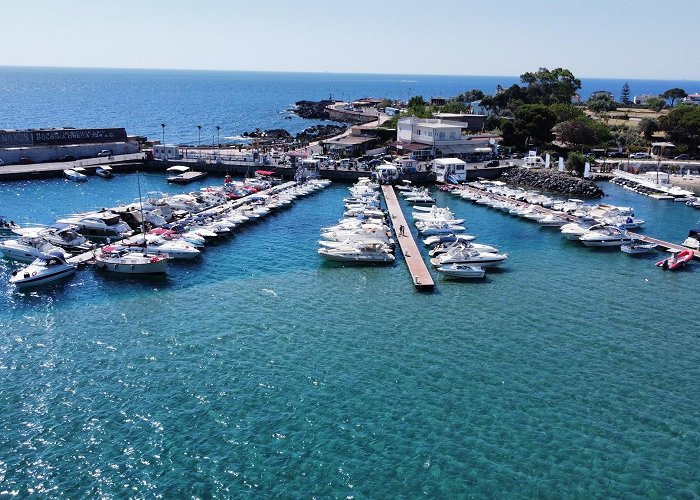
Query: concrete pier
point(420, 275)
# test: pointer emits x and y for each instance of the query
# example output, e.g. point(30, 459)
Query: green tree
point(682, 126)
point(576, 162)
point(601, 105)
point(566, 112)
point(655, 103)
point(625, 94)
point(454, 107)
point(647, 126)
point(470, 96)
point(547, 87)
point(533, 124)
point(417, 102)
point(673, 94)
point(580, 132)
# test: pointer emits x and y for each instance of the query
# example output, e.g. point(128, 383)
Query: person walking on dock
point(402, 230)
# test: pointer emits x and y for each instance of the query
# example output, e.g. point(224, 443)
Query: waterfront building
point(63, 144)
point(435, 138)
point(643, 99)
point(692, 98)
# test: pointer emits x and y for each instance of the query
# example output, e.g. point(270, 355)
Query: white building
point(692, 99)
point(643, 99)
point(452, 170)
point(442, 138)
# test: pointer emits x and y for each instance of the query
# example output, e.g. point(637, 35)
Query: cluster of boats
point(452, 251)
point(362, 234)
point(79, 174)
point(655, 185)
point(599, 225)
point(142, 238)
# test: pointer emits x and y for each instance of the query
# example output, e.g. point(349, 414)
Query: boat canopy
point(178, 168)
point(108, 168)
point(264, 172)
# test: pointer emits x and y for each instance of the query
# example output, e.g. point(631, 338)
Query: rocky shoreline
point(553, 182)
point(307, 135)
point(312, 110)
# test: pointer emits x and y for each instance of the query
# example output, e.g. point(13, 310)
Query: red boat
point(677, 260)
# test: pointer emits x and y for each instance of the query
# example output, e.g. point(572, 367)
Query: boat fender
point(154, 259)
point(133, 267)
point(34, 273)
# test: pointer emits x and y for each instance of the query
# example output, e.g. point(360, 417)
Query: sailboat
point(130, 260)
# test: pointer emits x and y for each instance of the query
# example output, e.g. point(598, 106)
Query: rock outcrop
point(313, 110)
point(553, 182)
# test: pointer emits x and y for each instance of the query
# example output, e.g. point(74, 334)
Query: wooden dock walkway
point(663, 244)
point(420, 275)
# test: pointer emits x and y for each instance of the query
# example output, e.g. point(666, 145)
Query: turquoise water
point(261, 370)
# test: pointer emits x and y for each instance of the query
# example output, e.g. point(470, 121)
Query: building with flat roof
point(435, 138)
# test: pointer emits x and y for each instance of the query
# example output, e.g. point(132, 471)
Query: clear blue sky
point(592, 38)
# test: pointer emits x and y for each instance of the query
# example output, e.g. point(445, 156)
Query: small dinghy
point(462, 271)
point(638, 247)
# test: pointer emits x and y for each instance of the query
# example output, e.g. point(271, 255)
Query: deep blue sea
point(238, 102)
point(262, 371)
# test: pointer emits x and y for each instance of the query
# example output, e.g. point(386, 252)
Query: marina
point(260, 368)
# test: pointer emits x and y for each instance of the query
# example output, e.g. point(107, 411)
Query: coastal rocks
point(312, 110)
point(275, 133)
point(319, 132)
point(554, 182)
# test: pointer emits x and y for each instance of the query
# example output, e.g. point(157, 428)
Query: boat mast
point(143, 225)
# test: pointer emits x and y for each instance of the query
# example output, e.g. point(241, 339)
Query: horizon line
point(330, 72)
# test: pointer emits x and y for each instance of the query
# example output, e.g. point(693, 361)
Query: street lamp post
point(199, 153)
point(218, 141)
point(162, 125)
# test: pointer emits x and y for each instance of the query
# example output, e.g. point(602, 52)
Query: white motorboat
point(373, 232)
point(75, 175)
point(464, 271)
point(7, 226)
point(444, 238)
point(624, 222)
point(104, 171)
point(574, 230)
point(60, 235)
point(605, 236)
point(158, 245)
point(358, 252)
point(28, 248)
point(693, 239)
point(44, 269)
point(470, 257)
point(98, 224)
point(124, 260)
point(430, 228)
point(446, 247)
point(638, 247)
point(348, 243)
point(552, 220)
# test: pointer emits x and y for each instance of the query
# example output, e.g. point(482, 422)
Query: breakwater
point(553, 182)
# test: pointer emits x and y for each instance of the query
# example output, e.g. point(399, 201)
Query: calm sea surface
point(260, 370)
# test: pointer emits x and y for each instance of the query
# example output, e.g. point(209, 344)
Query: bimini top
point(178, 168)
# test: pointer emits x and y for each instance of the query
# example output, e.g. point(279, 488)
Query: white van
point(533, 162)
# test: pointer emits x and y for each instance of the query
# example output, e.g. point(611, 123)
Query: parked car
point(615, 154)
point(105, 152)
point(639, 156)
point(25, 161)
point(682, 157)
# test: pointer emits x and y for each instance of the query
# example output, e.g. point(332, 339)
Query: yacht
point(7, 226)
point(470, 257)
point(158, 245)
point(27, 248)
point(605, 236)
point(446, 238)
point(44, 269)
point(75, 174)
point(464, 271)
point(430, 228)
point(693, 239)
point(358, 252)
point(123, 260)
point(574, 230)
point(60, 235)
point(552, 220)
point(105, 171)
point(372, 232)
point(446, 247)
point(98, 224)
